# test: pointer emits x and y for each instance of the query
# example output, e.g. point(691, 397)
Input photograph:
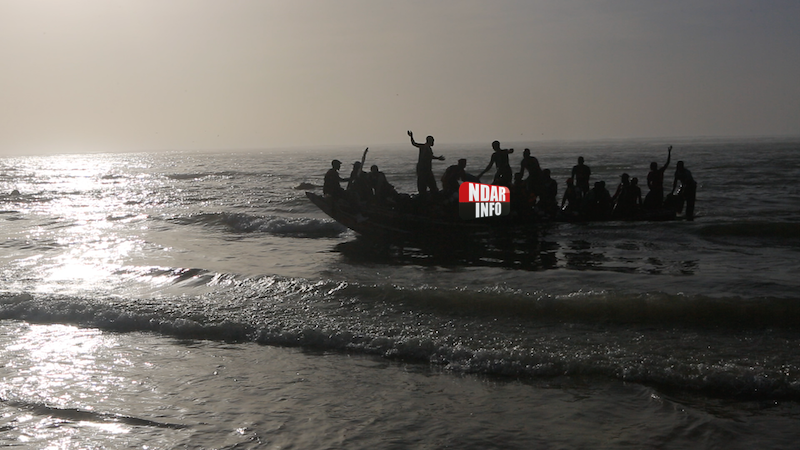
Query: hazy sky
point(169, 74)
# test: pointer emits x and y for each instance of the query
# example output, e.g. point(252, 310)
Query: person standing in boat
point(623, 199)
point(688, 188)
point(547, 201)
point(425, 179)
point(534, 184)
point(581, 174)
point(655, 182)
point(503, 176)
point(332, 179)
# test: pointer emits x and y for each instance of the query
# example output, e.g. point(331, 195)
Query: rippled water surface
point(200, 300)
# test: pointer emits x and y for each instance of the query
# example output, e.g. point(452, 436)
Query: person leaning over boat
point(452, 175)
point(688, 188)
point(383, 191)
point(425, 179)
point(332, 179)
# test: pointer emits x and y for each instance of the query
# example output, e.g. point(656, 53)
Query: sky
point(141, 75)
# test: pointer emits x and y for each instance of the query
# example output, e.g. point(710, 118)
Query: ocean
point(199, 300)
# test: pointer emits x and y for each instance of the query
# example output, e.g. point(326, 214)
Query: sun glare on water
point(82, 202)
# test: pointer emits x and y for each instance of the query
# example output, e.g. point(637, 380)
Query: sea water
point(199, 300)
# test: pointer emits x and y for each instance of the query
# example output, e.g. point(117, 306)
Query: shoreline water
point(616, 335)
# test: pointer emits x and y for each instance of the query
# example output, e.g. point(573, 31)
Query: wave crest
point(276, 225)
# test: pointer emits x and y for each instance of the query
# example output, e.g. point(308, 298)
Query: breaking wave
point(276, 225)
point(658, 338)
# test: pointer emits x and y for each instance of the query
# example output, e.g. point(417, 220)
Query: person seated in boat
point(623, 199)
point(331, 186)
point(688, 188)
point(358, 187)
point(547, 201)
point(596, 205)
point(636, 192)
point(522, 201)
point(382, 191)
point(502, 176)
point(571, 202)
point(655, 183)
point(426, 182)
point(534, 182)
point(581, 174)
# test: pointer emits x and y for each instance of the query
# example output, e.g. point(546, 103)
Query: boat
point(408, 219)
point(414, 220)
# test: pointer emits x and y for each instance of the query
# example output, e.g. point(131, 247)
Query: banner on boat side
point(476, 200)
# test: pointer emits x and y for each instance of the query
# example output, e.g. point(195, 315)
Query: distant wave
point(276, 225)
point(221, 174)
point(17, 197)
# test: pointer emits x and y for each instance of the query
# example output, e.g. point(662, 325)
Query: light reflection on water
point(52, 361)
point(67, 387)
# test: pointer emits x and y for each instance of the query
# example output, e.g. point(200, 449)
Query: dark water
point(199, 300)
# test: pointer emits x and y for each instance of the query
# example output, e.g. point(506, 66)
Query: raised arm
point(414, 143)
point(669, 156)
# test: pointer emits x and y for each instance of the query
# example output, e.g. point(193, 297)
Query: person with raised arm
point(426, 182)
point(655, 182)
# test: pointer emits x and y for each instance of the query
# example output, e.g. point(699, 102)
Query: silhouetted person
point(581, 174)
point(688, 188)
point(596, 205)
point(358, 188)
point(636, 192)
point(547, 201)
point(453, 174)
point(502, 176)
point(332, 179)
point(425, 179)
point(381, 189)
point(571, 202)
point(534, 183)
point(655, 183)
point(521, 201)
point(355, 174)
point(623, 199)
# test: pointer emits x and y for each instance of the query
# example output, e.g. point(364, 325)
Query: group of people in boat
point(535, 194)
